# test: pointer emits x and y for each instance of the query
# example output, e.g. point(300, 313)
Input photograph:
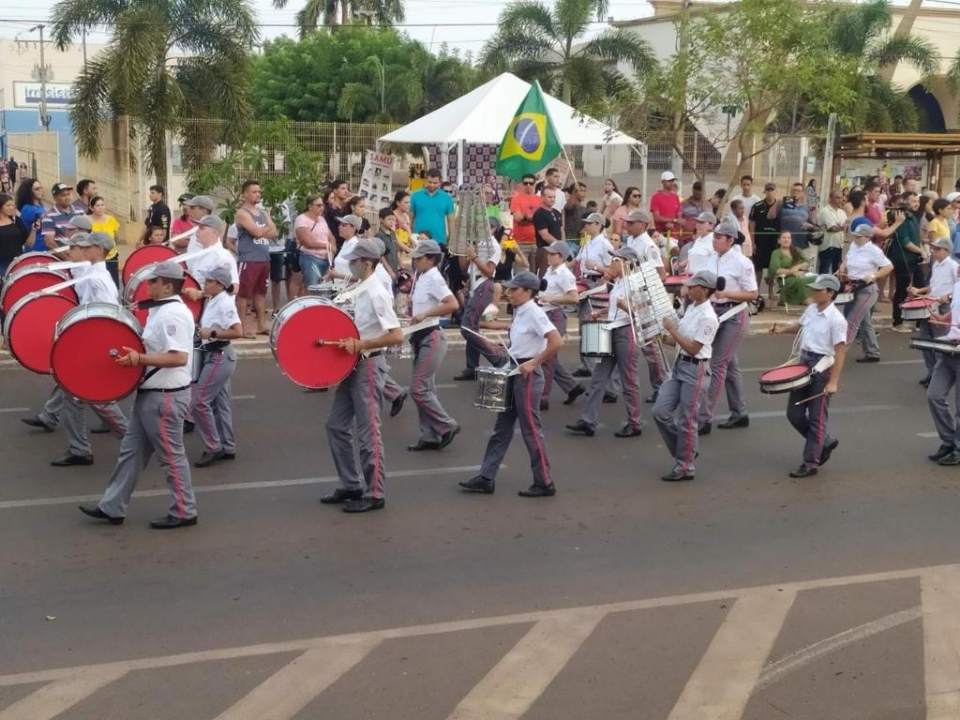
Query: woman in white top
point(561, 290)
point(864, 265)
point(740, 285)
point(612, 199)
point(212, 409)
point(533, 341)
point(593, 259)
point(315, 241)
point(431, 299)
point(681, 395)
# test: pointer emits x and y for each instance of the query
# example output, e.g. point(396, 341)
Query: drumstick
point(61, 249)
point(68, 265)
point(181, 236)
point(812, 397)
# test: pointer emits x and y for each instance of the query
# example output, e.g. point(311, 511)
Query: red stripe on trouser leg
point(376, 488)
point(821, 431)
point(720, 372)
point(419, 376)
point(633, 413)
point(168, 449)
point(535, 430)
point(693, 426)
point(208, 426)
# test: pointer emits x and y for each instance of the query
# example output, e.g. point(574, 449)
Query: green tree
point(167, 60)
point(540, 43)
point(329, 12)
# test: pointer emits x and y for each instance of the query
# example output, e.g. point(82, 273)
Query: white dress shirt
point(617, 292)
point(737, 270)
point(699, 323)
point(219, 313)
point(373, 312)
point(529, 330)
point(943, 276)
point(821, 331)
point(169, 328)
point(560, 281)
point(596, 251)
point(97, 286)
point(218, 256)
point(864, 260)
point(646, 249)
point(381, 272)
point(340, 265)
point(488, 251)
point(701, 254)
point(429, 290)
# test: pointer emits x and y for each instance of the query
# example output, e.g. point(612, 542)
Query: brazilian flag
point(531, 141)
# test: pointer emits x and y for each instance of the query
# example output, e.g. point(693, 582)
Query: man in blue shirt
point(431, 209)
point(53, 224)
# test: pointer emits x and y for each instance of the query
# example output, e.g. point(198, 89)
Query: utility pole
point(44, 116)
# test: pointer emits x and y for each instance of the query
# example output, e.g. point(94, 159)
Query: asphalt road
point(742, 594)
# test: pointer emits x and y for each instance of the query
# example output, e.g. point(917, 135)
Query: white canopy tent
point(481, 117)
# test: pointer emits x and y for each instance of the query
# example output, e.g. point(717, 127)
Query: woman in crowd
point(315, 242)
point(30, 206)
point(104, 222)
point(631, 201)
point(612, 199)
point(357, 205)
point(153, 235)
point(786, 262)
point(14, 234)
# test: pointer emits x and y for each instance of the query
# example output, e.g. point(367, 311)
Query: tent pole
point(573, 170)
point(642, 152)
point(460, 163)
point(445, 160)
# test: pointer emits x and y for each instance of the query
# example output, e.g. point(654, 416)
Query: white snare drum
point(843, 298)
point(85, 347)
point(494, 388)
point(595, 340)
point(403, 351)
point(941, 346)
point(326, 290)
point(918, 308)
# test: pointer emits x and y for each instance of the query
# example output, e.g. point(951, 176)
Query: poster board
point(376, 182)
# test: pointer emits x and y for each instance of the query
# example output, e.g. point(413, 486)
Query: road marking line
point(244, 397)
point(928, 435)
point(723, 682)
point(774, 672)
point(288, 691)
point(61, 695)
point(940, 598)
point(521, 676)
point(228, 487)
point(13, 410)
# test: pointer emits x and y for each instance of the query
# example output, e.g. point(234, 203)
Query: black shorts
point(278, 272)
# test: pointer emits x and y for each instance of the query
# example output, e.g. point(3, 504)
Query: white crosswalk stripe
point(735, 665)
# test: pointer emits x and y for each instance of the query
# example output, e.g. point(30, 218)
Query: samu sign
point(28, 95)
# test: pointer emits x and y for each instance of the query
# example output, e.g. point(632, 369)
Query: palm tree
point(538, 43)
point(326, 12)
point(168, 61)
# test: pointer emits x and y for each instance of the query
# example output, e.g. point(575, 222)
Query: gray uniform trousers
point(527, 390)
point(626, 358)
point(677, 408)
point(554, 369)
point(357, 404)
point(927, 331)
point(860, 320)
point(656, 368)
point(212, 409)
point(156, 426)
point(429, 347)
point(725, 369)
point(53, 407)
point(810, 418)
point(75, 423)
point(391, 388)
point(472, 313)
point(946, 375)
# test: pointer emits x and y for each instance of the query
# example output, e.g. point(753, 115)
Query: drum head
point(82, 359)
point(145, 256)
point(30, 327)
point(30, 280)
point(294, 336)
point(30, 259)
point(918, 303)
point(676, 279)
point(785, 373)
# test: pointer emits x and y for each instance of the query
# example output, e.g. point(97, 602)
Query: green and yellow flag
point(531, 141)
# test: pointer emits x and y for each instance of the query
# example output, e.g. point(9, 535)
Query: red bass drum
point(31, 258)
point(144, 256)
point(136, 291)
point(30, 327)
point(31, 279)
point(303, 339)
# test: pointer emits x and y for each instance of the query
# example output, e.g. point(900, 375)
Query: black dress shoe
point(868, 360)
point(422, 445)
point(574, 394)
point(465, 376)
point(397, 404)
point(102, 430)
point(38, 423)
point(582, 372)
point(803, 471)
point(364, 505)
point(828, 451)
point(539, 491)
point(169, 522)
point(229, 456)
point(676, 476)
point(609, 398)
point(544, 405)
point(70, 459)
point(208, 458)
point(628, 432)
point(941, 453)
point(341, 496)
point(926, 381)
point(735, 422)
point(94, 511)
point(653, 398)
point(704, 429)
point(581, 427)
point(951, 459)
point(188, 427)
point(448, 437)
point(479, 484)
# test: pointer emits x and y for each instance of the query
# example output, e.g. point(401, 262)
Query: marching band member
point(219, 324)
point(701, 254)
point(561, 290)
point(943, 276)
point(156, 424)
point(354, 423)
point(97, 287)
point(823, 332)
point(946, 376)
point(864, 264)
point(393, 392)
point(593, 259)
point(678, 404)
point(431, 299)
point(626, 357)
point(208, 233)
point(483, 258)
point(533, 341)
point(348, 227)
point(740, 285)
